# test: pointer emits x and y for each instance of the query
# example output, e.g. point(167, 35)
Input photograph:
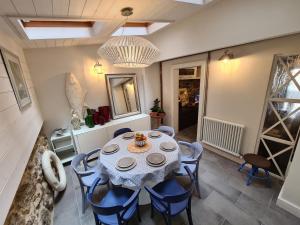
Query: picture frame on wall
point(14, 70)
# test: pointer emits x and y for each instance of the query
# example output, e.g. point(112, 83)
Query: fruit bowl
point(140, 139)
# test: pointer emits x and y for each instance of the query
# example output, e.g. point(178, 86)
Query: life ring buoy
point(58, 184)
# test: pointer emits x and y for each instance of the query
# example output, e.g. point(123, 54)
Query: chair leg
point(169, 220)
point(269, 182)
point(251, 174)
point(152, 211)
point(83, 200)
point(165, 219)
point(242, 166)
point(197, 185)
point(138, 214)
point(189, 212)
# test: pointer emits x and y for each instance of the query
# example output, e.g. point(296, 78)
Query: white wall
point(236, 91)
point(227, 23)
point(49, 66)
point(151, 85)
point(289, 197)
point(18, 130)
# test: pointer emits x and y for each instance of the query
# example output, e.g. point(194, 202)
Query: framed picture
point(14, 71)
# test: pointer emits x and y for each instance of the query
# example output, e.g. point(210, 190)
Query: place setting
point(126, 163)
point(168, 146)
point(154, 134)
point(156, 159)
point(128, 135)
point(110, 149)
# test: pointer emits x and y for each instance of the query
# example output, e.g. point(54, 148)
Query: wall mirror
point(123, 94)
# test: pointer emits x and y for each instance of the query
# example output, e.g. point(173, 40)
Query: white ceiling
point(105, 10)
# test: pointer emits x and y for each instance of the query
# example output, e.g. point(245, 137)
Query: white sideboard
point(87, 139)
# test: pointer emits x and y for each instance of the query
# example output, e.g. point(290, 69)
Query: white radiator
point(223, 135)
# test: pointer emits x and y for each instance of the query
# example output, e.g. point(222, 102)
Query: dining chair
point(122, 131)
point(191, 161)
point(86, 176)
point(167, 130)
point(169, 198)
point(117, 207)
point(92, 155)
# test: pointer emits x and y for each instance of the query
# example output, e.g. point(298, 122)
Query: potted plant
point(161, 113)
point(156, 110)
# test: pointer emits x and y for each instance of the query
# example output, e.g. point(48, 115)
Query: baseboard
point(223, 154)
point(288, 206)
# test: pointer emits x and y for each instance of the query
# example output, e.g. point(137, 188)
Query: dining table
point(142, 173)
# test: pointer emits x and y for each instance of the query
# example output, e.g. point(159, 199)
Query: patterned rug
point(33, 203)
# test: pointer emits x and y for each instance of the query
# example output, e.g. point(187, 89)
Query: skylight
point(198, 2)
point(35, 29)
point(139, 28)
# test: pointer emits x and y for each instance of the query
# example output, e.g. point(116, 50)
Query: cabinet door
point(92, 140)
point(141, 124)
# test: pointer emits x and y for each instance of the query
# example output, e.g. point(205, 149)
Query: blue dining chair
point(86, 176)
point(92, 155)
point(169, 198)
point(117, 207)
point(191, 161)
point(121, 131)
point(167, 130)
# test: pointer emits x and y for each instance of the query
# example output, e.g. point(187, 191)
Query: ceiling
point(107, 11)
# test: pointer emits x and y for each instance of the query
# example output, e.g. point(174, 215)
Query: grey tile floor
point(226, 200)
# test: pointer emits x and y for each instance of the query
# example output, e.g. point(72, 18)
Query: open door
point(281, 119)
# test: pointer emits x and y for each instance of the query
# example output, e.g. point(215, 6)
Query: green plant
point(155, 107)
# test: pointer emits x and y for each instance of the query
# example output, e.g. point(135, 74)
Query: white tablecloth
point(142, 173)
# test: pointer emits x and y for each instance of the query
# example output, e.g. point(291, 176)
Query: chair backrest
point(197, 150)
point(76, 162)
point(186, 194)
point(122, 131)
point(119, 210)
point(167, 130)
point(180, 197)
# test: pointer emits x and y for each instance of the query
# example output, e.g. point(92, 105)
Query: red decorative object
point(96, 117)
point(105, 112)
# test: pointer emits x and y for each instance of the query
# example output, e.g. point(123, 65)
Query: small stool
point(257, 162)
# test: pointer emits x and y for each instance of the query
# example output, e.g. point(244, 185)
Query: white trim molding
point(287, 205)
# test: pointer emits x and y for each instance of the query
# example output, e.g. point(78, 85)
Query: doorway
point(280, 124)
point(189, 81)
point(188, 102)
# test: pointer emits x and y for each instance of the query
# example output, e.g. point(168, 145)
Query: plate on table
point(128, 135)
point(154, 134)
point(126, 163)
point(156, 159)
point(110, 149)
point(168, 146)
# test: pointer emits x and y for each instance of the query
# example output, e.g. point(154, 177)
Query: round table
point(142, 174)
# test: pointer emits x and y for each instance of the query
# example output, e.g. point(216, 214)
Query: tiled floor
point(188, 134)
point(225, 200)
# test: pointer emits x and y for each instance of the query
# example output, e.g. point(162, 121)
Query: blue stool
point(257, 162)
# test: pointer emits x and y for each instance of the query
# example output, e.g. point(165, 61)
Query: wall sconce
point(98, 68)
point(226, 56)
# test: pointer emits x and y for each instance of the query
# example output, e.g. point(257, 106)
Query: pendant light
point(129, 51)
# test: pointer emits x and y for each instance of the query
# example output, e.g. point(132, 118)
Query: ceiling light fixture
point(129, 51)
point(226, 56)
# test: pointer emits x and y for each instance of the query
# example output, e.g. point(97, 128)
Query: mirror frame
point(109, 92)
